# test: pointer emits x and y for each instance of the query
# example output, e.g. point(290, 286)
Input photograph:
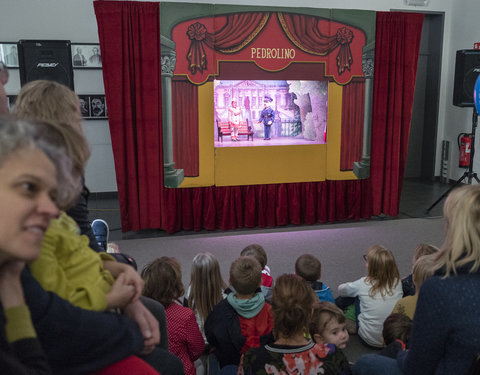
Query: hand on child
point(121, 293)
point(132, 277)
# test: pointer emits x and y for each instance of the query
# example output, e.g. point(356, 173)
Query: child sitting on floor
point(328, 325)
point(377, 294)
point(309, 268)
point(422, 249)
point(396, 333)
point(243, 320)
point(163, 282)
point(206, 289)
point(292, 352)
point(422, 270)
point(258, 252)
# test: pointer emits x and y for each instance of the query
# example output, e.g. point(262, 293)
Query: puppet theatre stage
point(340, 84)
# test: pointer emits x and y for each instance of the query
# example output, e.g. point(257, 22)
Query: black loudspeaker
point(467, 68)
point(45, 59)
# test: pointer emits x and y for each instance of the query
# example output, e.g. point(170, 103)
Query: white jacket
point(373, 311)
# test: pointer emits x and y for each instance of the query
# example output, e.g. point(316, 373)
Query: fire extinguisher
point(464, 144)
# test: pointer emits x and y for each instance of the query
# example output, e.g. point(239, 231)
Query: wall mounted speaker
point(467, 69)
point(45, 59)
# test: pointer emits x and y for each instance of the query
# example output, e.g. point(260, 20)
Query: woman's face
point(28, 186)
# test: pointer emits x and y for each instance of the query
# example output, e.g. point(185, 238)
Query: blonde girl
point(377, 293)
point(206, 287)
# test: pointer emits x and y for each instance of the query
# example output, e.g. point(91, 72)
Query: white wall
point(465, 31)
point(75, 20)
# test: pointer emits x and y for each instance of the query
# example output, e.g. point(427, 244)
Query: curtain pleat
point(185, 127)
point(397, 44)
point(353, 102)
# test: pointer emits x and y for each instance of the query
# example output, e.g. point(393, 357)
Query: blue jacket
point(267, 115)
point(446, 328)
point(78, 341)
point(323, 292)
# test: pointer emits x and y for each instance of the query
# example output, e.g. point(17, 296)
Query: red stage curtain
point(129, 34)
point(396, 55)
point(353, 101)
point(185, 127)
point(232, 207)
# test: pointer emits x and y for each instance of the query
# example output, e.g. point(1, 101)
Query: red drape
point(185, 127)
point(397, 43)
point(232, 207)
point(353, 101)
point(129, 34)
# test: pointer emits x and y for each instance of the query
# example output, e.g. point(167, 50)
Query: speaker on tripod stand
point(466, 85)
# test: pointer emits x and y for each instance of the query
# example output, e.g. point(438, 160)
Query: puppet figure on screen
point(234, 115)
point(267, 116)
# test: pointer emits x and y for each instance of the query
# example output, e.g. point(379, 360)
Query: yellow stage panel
point(228, 166)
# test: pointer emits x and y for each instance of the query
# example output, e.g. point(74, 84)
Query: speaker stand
point(469, 174)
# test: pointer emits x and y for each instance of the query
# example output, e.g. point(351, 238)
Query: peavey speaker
point(467, 68)
point(45, 59)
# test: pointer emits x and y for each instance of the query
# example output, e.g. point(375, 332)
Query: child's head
point(396, 327)
point(163, 280)
point(245, 275)
point(382, 270)
point(328, 325)
point(422, 270)
point(308, 267)
point(292, 303)
point(206, 284)
point(423, 249)
point(257, 252)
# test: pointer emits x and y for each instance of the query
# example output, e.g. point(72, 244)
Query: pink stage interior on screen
point(300, 109)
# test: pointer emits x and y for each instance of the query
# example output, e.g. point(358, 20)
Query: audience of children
point(422, 270)
point(291, 352)
point(258, 252)
point(328, 325)
point(422, 249)
point(396, 334)
point(35, 176)
point(243, 320)
point(377, 293)
point(309, 268)
point(163, 282)
point(445, 336)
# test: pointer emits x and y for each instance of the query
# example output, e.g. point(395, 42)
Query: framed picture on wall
point(86, 56)
point(93, 107)
point(9, 54)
